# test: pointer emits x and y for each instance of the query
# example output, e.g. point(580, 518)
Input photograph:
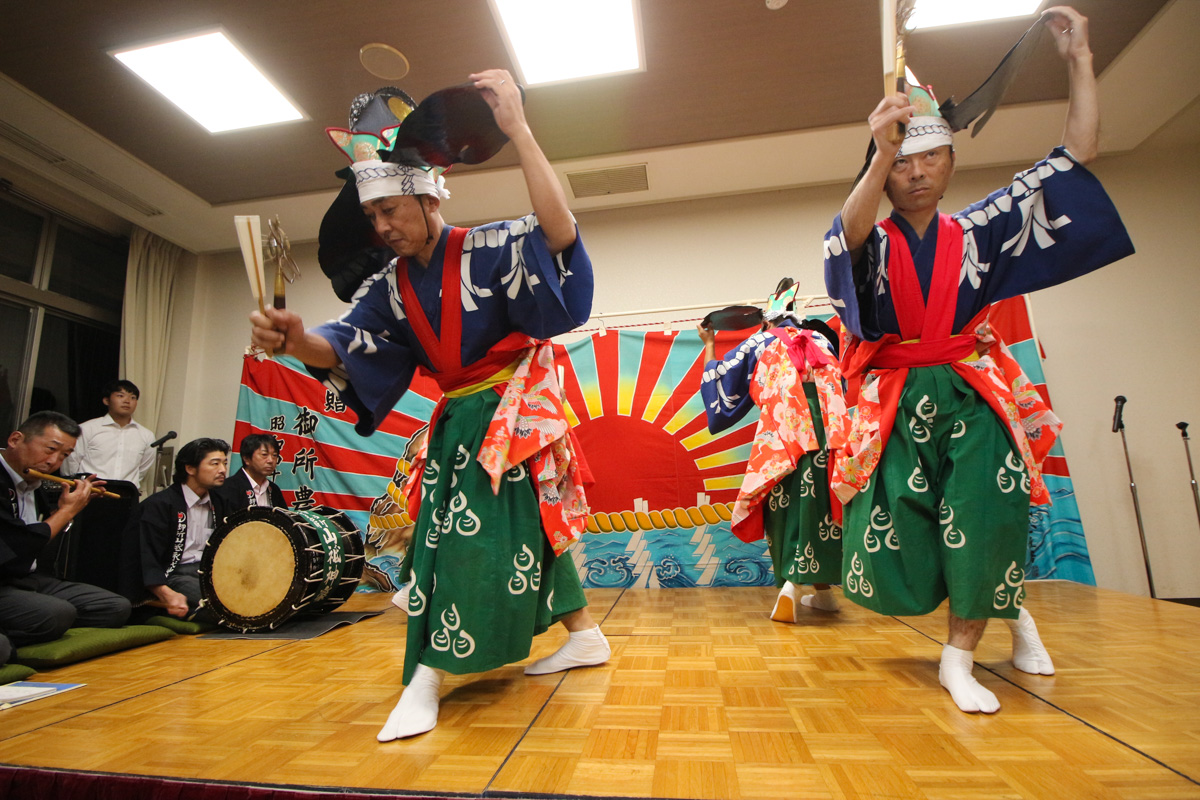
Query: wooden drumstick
point(249, 231)
point(894, 16)
point(41, 476)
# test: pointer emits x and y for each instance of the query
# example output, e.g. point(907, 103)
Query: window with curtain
point(61, 290)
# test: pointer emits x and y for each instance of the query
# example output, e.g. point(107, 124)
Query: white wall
point(1122, 330)
point(1128, 330)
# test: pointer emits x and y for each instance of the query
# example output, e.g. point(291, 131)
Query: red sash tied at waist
point(924, 354)
point(502, 354)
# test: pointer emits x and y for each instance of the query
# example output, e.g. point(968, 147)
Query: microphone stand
point(1183, 426)
point(1119, 426)
point(162, 475)
point(160, 471)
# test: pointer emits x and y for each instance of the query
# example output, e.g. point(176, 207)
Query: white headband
point(377, 179)
point(925, 133)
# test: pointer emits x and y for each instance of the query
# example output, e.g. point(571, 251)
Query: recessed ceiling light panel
point(212, 81)
point(552, 41)
point(938, 13)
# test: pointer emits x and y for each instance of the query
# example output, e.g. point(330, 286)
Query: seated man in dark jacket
point(36, 607)
point(173, 526)
point(252, 485)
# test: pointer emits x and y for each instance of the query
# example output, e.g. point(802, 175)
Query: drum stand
point(1119, 426)
point(1183, 426)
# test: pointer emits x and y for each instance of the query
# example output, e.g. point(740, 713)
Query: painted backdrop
point(663, 483)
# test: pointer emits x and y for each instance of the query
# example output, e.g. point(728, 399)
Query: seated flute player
point(944, 455)
point(497, 495)
point(34, 606)
point(791, 373)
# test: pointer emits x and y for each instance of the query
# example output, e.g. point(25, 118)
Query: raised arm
point(862, 206)
point(1081, 136)
point(709, 338)
point(545, 192)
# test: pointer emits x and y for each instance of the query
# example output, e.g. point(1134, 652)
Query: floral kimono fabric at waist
point(993, 373)
point(529, 425)
point(796, 416)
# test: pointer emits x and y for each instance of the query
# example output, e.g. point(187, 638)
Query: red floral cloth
point(530, 426)
point(785, 429)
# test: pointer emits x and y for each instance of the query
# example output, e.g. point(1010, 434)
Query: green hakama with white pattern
point(485, 579)
point(946, 513)
point(804, 541)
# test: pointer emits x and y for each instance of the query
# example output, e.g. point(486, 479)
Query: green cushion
point(15, 672)
point(78, 644)
point(181, 625)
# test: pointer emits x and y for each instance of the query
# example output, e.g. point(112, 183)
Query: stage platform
point(704, 697)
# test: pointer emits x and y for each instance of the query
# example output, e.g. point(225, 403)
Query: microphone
point(1118, 423)
point(171, 435)
point(1183, 426)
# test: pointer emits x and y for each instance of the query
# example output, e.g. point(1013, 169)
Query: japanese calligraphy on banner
point(323, 462)
point(664, 484)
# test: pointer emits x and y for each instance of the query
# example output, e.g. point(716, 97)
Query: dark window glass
point(14, 336)
point(20, 232)
point(89, 267)
point(74, 362)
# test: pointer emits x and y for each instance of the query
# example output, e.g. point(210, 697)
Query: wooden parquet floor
point(704, 697)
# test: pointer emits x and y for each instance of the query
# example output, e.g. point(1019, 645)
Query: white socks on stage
point(417, 711)
point(583, 649)
point(789, 595)
point(822, 600)
point(954, 673)
point(1028, 653)
point(785, 603)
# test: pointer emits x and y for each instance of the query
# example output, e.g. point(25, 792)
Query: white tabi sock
point(417, 711)
point(1029, 654)
point(785, 603)
point(822, 600)
point(954, 673)
point(583, 649)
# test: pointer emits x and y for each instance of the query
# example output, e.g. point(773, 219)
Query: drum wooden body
point(264, 566)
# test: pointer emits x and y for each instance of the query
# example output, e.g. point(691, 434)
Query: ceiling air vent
point(29, 144)
point(615, 180)
point(77, 170)
point(82, 173)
